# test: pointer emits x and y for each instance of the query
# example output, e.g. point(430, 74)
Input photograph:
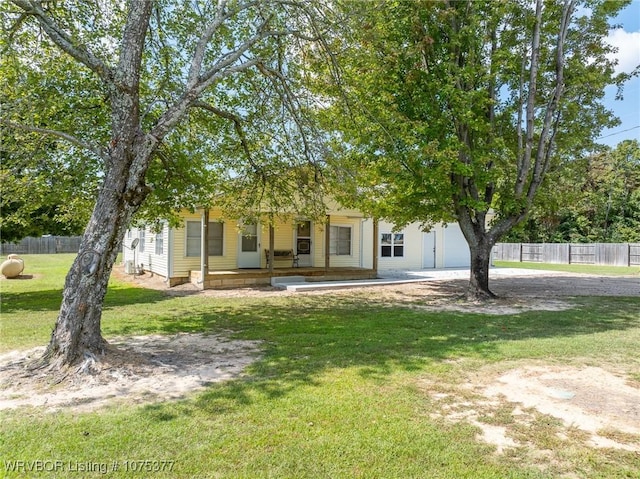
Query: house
point(340, 247)
point(237, 252)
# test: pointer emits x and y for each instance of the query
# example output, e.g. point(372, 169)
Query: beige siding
point(182, 263)
point(228, 260)
point(282, 238)
point(352, 260)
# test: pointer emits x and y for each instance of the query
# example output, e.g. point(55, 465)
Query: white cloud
point(628, 45)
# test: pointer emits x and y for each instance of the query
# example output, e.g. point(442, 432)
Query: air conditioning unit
point(129, 268)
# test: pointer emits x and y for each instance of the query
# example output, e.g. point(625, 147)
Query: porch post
point(327, 239)
point(204, 246)
point(375, 245)
point(271, 241)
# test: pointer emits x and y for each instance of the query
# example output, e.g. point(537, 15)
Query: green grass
point(573, 268)
point(337, 393)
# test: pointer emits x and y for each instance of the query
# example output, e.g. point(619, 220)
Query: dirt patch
point(517, 292)
point(135, 370)
point(602, 406)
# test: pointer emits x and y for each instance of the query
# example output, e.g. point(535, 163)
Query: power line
point(618, 132)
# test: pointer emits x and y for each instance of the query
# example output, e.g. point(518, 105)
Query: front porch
point(253, 277)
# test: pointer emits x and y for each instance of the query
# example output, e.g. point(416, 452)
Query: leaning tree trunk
point(76, 335)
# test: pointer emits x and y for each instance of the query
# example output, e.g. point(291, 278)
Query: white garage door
point(456, 249)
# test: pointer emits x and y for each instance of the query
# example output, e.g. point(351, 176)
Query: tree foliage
point(169, 99)
point(596, 200)
point(463, 110)
point(234, 142)
point(48, 184)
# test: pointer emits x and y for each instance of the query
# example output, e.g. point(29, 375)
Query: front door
point(303, 243)
point(249, 253)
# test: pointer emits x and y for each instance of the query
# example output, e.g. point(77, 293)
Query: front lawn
point(601, 270)
point(346, 387)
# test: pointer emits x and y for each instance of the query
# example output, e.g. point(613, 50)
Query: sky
point(627, 40)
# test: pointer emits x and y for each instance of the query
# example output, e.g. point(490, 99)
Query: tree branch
point(174, 113)
point(237, 124)
point(61, 38)
point(60, 134)
point(222, 15)
point(531, 99)
point(132, 45)
point(544, 142)
point(230, 58)
point(289, 101)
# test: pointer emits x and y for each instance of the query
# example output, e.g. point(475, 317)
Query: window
point(392, 245)
point(214, 238)
point(159, 244)
point(249, 240)
point(340, 240)
point(141, 235)
point(193, 238)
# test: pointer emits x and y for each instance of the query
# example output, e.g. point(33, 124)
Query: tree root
point(480, 296)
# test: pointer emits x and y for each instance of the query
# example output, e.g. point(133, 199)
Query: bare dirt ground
point(600, 402)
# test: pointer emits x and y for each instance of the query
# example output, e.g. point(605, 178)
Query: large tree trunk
point(481, 241)
point(480, 262)
point(76, 336)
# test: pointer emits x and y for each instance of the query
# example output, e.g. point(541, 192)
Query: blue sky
point(628, 110)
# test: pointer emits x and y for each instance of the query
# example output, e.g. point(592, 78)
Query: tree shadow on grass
point(47, 300)
point(307, 337)
point(50, 300)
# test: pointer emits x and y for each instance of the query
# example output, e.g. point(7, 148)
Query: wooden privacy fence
point(43, 245)
point(612, 254)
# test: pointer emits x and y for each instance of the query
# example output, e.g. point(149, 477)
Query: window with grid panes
point(392, 245)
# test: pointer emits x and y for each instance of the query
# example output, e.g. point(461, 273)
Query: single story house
point(237, 253)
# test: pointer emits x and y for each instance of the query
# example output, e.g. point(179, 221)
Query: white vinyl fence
point(612, 254)
point(43, 245)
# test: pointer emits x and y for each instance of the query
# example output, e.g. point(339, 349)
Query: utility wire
point(618, 132)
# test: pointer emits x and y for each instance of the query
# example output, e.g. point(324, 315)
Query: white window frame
point(210, 239)
point(334, 240)
point(393, 242)
point(142, 236)
point(159, 240)
point(193, 238)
